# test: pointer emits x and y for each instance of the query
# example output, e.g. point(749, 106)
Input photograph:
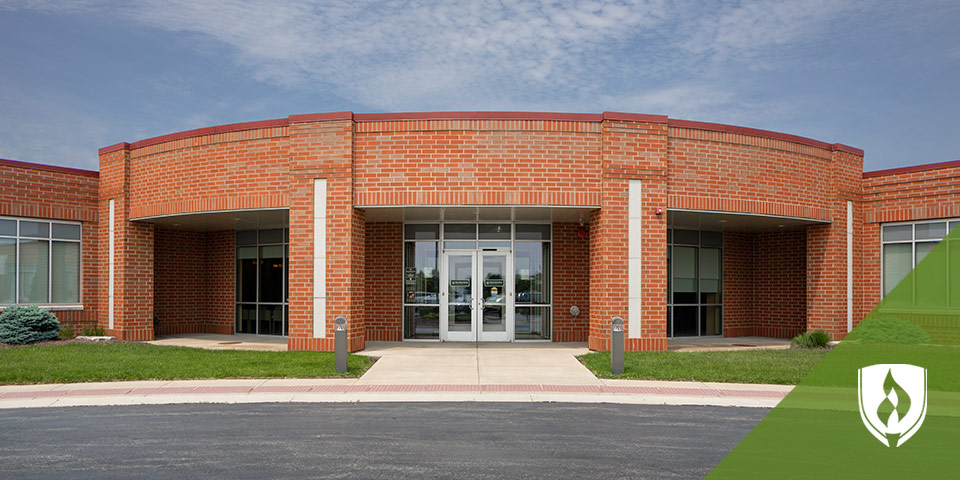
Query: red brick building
point(469, 226)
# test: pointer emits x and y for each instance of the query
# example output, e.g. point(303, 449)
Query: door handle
point(482, 303)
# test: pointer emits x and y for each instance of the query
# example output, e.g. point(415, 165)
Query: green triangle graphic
point(817, 430)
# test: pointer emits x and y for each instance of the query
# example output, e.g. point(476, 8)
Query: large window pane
point(532, 277)
point(421, 279)
point(931, 231)
point(8, 270)
point(66, 273)
point(709, 275)
point(711, 322)
point(66, 231)
point(685, 321)
point(684, 276)
point(454, 231)
point(896, 233)
point(421, 232)
point(34, 229)
point(271, 274)
point(247, 274)
point(421, 322)
point(246, 319)
point(8, 227)
point(34, 271)
point(490, 231)
point(534, 232)
point(897, 262)
point(271, 320)
point(934, 293)
point(532, 323)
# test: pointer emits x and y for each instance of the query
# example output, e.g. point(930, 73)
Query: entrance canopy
point(478, 214)
point(739, 222)
point(222, 220)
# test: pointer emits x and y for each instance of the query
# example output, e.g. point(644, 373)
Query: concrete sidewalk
point(417, 372)
point(353, 390)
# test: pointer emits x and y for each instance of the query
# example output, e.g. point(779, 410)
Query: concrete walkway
point(212, 341)
point(477, 364)
point(411, 372)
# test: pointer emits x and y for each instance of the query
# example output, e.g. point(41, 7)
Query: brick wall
point(900, 195)
point(738, 270)
point(29, 190)
point(571, 283)
point(477, 162)
point(484, 159)
point(194, 282)
point(384, 281)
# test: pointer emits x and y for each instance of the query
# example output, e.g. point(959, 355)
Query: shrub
point(66, 332)
point(94, 331)
point(27, 324)
point(890, 330)
point(811, 339)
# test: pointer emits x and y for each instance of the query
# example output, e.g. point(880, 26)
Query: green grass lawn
point(91, 362)
point(785, 367)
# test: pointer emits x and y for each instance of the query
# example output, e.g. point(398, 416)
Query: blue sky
point(82, 74)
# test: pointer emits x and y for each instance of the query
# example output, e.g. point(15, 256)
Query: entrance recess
point(476, 297)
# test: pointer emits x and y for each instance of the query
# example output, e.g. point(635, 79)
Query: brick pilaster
point(133, 253)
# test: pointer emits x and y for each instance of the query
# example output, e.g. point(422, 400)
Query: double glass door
point(476, 297)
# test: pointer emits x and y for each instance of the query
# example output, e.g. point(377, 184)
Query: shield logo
point(893, 400)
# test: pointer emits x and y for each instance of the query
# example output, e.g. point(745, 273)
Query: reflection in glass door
point(458, 297)
point(475, 300)
point(494, 297)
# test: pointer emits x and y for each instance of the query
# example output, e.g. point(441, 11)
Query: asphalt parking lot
point(383, 440)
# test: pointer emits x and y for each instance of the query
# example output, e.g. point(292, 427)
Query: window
point(421, 280)
point(905, 246)
point(262, 290)
point(694, 283)
point(39, 262)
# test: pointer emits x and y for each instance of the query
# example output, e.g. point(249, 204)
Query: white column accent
point(849, 265)
point(634, 259)
point(110, 259)
point(319, 257)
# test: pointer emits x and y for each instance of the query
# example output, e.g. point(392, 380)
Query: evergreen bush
point(27, 324)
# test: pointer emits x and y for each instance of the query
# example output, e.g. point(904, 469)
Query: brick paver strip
point(36, 394)
point(161, 390)
point(218, 389)
point(636, 390)
point(327, 388)
point(510, 388)
point(571, 388)
point(80, 392)
point(752, 393)
point(282, 389)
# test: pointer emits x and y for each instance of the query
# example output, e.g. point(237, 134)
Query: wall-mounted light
point(658, 211)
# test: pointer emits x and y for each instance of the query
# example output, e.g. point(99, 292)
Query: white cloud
point(486, 54)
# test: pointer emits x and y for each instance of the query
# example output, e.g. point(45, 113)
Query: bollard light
point(340, 344)
point(616, 346)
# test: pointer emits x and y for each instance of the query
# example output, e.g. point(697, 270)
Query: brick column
point(321, 147)
point(827, 263)
point(634, 148)
point(132, 284)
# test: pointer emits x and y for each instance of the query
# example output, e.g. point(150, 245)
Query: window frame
point(50, 239)
point(913, 248)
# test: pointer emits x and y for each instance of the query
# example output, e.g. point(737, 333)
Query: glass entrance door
point(476, 297)
point(458, 297)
